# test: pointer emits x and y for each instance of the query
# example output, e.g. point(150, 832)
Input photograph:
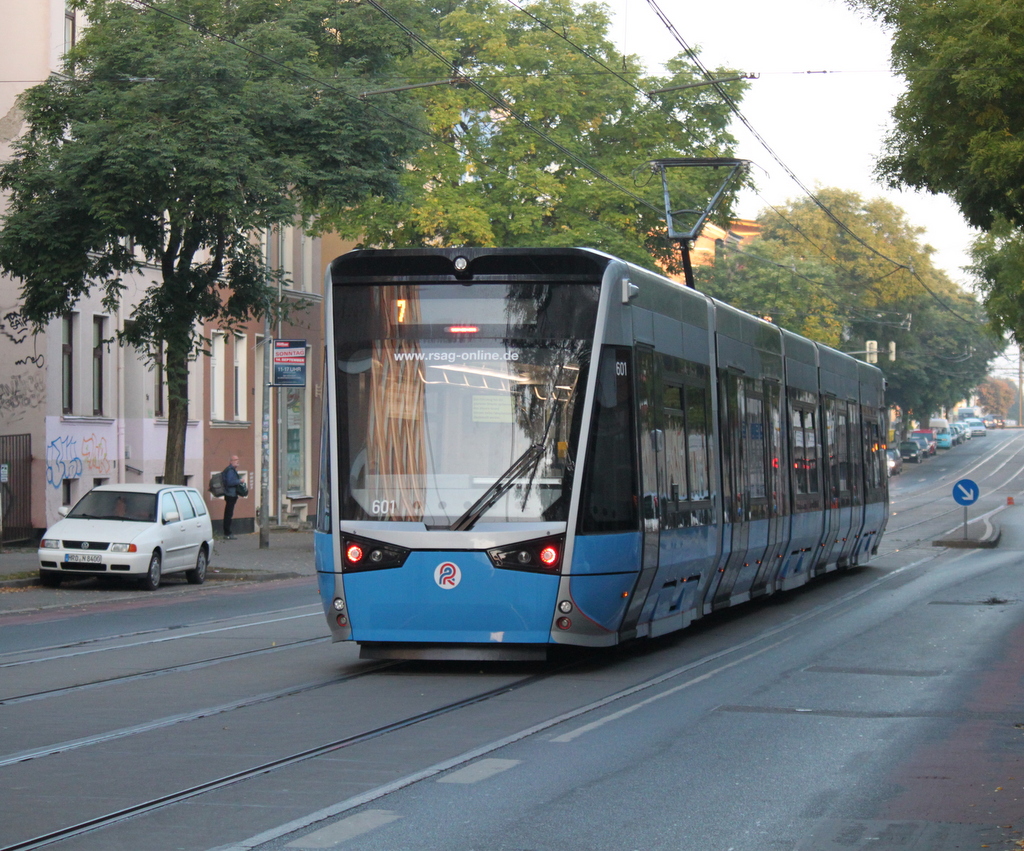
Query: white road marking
point(479, 771)
point(600, 722)
point(341, 831)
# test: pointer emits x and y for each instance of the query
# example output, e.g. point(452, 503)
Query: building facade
point(77, 410)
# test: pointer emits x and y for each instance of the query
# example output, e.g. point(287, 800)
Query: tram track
point(181, 718)
point(207, 786)
point(180, 632)
point(157, 672)
point(692, 672)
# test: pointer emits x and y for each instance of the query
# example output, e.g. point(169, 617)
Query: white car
point(130, 530)
point(976, 426)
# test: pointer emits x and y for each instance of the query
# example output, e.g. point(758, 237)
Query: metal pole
point(265, 432)
point(965, 522)
point(1020, 387)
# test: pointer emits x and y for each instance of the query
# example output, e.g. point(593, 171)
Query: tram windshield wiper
point(498, 488)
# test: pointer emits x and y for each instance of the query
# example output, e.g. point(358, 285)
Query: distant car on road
point(912, 450)
point(976, 426)
point(142, 531)
point(894, 461)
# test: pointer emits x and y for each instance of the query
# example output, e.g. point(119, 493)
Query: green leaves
point(551, 149)
point(958, 126)
point(179, 129)
point(816, 278)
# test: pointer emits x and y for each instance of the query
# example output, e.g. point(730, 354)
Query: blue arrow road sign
point(966, 492)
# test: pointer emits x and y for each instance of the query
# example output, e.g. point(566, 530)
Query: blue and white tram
point(530, 447)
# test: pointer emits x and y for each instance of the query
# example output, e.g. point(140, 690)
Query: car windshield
point(116, 505)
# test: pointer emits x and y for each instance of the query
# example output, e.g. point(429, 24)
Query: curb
point(223, 575)
point(988, 540)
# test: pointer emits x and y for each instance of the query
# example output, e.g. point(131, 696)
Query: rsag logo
point(447, 575)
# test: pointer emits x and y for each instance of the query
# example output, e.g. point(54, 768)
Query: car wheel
point(151, 581)
point(197, 576)
point(50, 578)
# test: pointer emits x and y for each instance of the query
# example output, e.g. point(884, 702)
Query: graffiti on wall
point(22, 392)
point(68, 457)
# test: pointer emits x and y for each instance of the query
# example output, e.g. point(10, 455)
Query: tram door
point(735, 499)
point(777, 490)
point(652, 462)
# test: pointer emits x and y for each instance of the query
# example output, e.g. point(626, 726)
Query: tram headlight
point(565, 607)
point(364, 554)
point(339, 604)
point(542, 556)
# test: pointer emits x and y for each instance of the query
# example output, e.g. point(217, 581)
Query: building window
point(305, 276)
point(217, 376)
point(70, 29)
point(67, 364)
point(67, 491)
point(159, 378)
point(238, 376)
point(98, 325)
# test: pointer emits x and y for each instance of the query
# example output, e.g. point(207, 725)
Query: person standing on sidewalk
point(231, 481)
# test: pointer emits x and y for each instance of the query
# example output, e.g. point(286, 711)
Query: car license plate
point(88, 558)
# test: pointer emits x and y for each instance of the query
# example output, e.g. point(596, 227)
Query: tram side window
point(684, 420)
point(843, 451)
point(697, 429)
point(872, 443)
point(754, 449)
point(609, 499)
point(832, 465)
point(855, 453)
point(674, 426)
point(804, 452)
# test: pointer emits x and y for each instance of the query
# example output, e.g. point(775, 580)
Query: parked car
point(894, 461)
point(958, 433)
point(911, 450)
point(144, 531)
point(929, 437)
point(939, 427)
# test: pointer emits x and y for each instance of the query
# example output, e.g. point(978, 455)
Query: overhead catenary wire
point(667, 23)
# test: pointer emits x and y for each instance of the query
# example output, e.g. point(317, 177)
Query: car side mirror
point(171, 517)
point(64, 510)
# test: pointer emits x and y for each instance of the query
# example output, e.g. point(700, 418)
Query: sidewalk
point(290, 554)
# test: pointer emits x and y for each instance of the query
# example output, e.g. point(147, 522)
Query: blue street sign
point(966, 492)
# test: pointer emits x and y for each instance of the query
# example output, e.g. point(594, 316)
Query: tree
point(959, 129)
point(578, 174)
point(958, 125)
point(996, 395)
point(178, 129)
point(841, 286)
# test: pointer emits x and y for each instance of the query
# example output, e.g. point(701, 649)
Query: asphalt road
point(880, 708)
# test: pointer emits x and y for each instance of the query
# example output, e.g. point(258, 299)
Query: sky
point(828, 128)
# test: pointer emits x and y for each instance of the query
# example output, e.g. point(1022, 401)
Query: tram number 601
point(383, 506)
point(621, 368)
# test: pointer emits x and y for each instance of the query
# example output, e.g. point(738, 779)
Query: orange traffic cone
point(1009, 500)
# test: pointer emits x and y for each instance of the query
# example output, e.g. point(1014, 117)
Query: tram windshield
point(460, 404)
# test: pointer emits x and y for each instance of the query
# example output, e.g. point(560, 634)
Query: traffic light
point(872, 351)
point(892, 351)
